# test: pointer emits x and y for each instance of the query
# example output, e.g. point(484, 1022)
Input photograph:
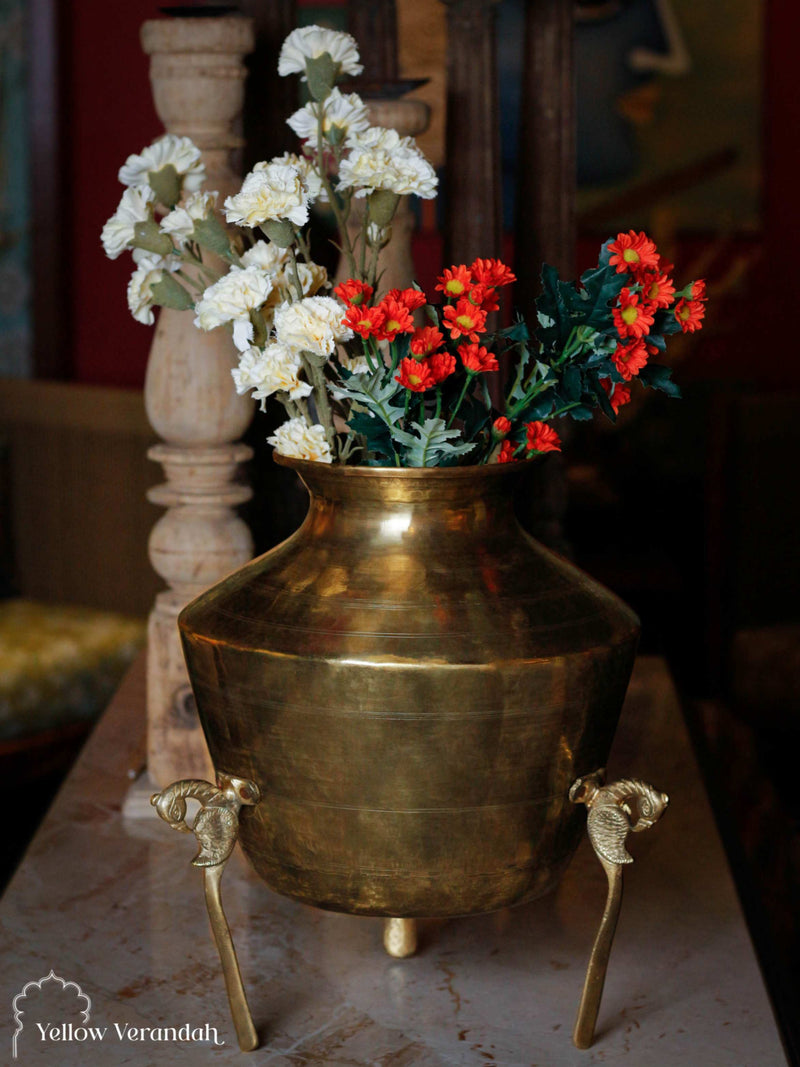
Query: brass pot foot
point(215, 827)
point(400, 937)
point(608, 823)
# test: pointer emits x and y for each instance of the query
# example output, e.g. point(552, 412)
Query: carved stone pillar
point(473, 225)
point(197, 76)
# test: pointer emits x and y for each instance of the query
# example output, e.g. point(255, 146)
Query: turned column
point(197, 77)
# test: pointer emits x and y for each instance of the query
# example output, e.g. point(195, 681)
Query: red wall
point(109, 115)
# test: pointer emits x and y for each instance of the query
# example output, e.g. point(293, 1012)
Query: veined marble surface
point(114, 906)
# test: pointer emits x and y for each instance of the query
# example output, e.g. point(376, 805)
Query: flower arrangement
point(400, 380)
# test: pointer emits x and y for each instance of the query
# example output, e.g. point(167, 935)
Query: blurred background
point(683, 123)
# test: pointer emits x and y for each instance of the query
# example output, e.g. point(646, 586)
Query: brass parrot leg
point(609, 821)
point(216, 827)
point(400, 937)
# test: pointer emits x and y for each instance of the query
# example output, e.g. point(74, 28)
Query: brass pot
point(413, 683)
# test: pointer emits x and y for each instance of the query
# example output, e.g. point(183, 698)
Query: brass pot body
point(413, 683)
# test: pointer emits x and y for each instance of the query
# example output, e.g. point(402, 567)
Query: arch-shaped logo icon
point(19, 1011)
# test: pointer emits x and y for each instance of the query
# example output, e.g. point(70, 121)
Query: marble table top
point(113, 905)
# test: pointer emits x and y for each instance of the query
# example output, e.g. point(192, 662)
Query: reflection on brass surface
point(215, 828)
point(413, 683)
point(400, 937)
point(609, 823)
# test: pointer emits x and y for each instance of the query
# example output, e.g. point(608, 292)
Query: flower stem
point(464, 387)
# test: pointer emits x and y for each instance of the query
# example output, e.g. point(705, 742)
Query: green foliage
point(431, 444)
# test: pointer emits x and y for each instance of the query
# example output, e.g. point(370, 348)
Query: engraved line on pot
point(569, 624)
point(458, 809)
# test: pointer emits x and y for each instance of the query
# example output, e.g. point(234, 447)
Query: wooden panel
point(78, 473)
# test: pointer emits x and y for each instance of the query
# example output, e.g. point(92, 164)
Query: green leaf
point(374, 394)
point(148, 236)
point(657, 376)
point(321, 75)
point(431, 443)
point(166, 183)
point(376, 432)
point(169, 293)
point(280, 231)
point(382, 206)
point(600, 286)
point(211, 234)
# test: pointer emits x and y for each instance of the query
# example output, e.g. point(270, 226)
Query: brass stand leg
point(215, 827)
point(400, 937)
point(608, 824)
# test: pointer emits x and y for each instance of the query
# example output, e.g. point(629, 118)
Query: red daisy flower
point(426, 340)
point(415, 375)
point(492, 272)
point(454, 282)
point(689, 314)
point(464, 320)
point(484, 297)
point(699, 289)
point(633, 252)
point(500, 427)
point(412, 298)
point(630, 358)
point(442, 365)
point(633, 317)
point(477, 359)
point(354, 292)
point(541, 438)
point(364, 320)
point(396, 319)
point(658, 290)
point(506, 454)
point(618, 394)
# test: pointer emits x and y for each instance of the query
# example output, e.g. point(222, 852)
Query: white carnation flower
point(270, 191)
point(135, 206)
point(345, 112)
point(311, 175)
point(275, 369)
point(310, 42)
point(297, 439)
point(267, 256)
point(313, 324)
point(179, 223)
point(149, 273)
point(382, 159)
point(169, 150)
point(231, 299)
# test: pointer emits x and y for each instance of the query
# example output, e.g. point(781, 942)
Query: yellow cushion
point(60, 663)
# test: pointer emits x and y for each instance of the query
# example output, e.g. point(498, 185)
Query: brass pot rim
point(466, 473)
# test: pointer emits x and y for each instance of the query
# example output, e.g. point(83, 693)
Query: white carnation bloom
point(355, 364)
point(231, 299)
point(275, 369)
point(180, 152)
point(297, 439)
point(179, 223)
point(267, 256)
point(149, 273)
point(270, 191)
point(346, 111)
point(311, 175)
point(310, 42)
point(135, 206)
point(382, 159)
point(313, 324)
